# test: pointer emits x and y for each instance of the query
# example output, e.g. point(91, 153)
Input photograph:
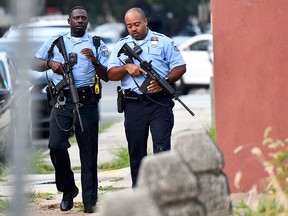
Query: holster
point(120, 100)
point(50, 93)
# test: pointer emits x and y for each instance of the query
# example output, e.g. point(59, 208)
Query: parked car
point(9, 96)
point(40, 111)
point(110, 33)
point(39, 29)
point(196, 52)
point(179, 39)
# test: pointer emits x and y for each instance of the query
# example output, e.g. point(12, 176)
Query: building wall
point(250, 78)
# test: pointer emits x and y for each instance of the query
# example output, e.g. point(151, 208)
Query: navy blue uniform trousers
point(87, 142)
point(141, 115)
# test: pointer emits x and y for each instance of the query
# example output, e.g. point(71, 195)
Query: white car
point(38, 29)
point(196, 53)
point(110, 33)
point(10, 95)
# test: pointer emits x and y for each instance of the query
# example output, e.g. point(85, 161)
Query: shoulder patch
point(104, 51)
point(175, 46)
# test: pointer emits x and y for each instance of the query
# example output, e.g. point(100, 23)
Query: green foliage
point(120, 160)
point(36, 197)
point(110, 188)
point(4, 205)
point(38, 165)
point(242, 209)
point(117, 179)
point(274, 200)
point(106, 125)
point(103, 11)
point(3, 171)
point(212, 132)
point(278, 161)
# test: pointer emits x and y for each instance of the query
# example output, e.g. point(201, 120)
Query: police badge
point(154, 41)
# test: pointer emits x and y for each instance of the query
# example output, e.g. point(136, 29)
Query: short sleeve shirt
point(83, 71)
point(157, 48)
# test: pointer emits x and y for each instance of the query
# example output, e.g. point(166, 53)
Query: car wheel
point(7, 156)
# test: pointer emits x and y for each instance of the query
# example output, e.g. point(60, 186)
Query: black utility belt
point(83, 92)
point(130, 95)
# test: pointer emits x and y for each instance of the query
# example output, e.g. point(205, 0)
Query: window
point(3, 77)
point(200, 46)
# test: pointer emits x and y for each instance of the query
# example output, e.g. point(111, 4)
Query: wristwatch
point(97, 63)
point(167, 80)
point(47, 66)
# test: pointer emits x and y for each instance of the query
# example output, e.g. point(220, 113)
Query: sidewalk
point(111, 139)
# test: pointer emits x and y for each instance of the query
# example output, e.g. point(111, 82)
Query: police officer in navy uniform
point(62, 116)
point(154, 108)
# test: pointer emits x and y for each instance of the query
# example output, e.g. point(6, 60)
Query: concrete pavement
point(112, 139)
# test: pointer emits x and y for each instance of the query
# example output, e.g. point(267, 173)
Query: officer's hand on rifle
point(154, 87)
point(56, 67)
point(134, 70)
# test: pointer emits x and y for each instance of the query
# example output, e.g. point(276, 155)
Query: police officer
point(62, 117)
point(154, 108)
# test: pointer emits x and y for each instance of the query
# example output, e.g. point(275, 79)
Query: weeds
point(3, 171)
point(36, 197)
point(106, 125)
point(274, 200)
point(38, 165)
point(120, 160)
point(4, 205)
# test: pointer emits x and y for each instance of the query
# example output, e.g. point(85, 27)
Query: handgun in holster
point(50, 92)
point(120, 100)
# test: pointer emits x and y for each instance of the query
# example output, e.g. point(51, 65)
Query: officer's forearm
point(116, 73)
point(176, 73)
point(39, 65)
point(101, 71)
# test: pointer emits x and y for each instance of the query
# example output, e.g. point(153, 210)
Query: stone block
point(199, 151)
point(168, 178)
point(214, 194)
point(129, 203)
point(191, 208)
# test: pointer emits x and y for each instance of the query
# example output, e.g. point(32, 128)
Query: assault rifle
point(68, 78)
point(151, 73)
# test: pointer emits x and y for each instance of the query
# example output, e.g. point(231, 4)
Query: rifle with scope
point(151, 73)
point(68, 78)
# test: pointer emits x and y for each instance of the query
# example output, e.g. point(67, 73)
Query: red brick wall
point(251, 78)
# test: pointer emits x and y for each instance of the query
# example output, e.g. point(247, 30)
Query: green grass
point(117, 179)
point(120, 160)
point(76, 168)
point(103, 127)
point(3, 171)
point(211, 130)
point(4, 205)
point(38, 165)
point(36, 197)
point(111, 188)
